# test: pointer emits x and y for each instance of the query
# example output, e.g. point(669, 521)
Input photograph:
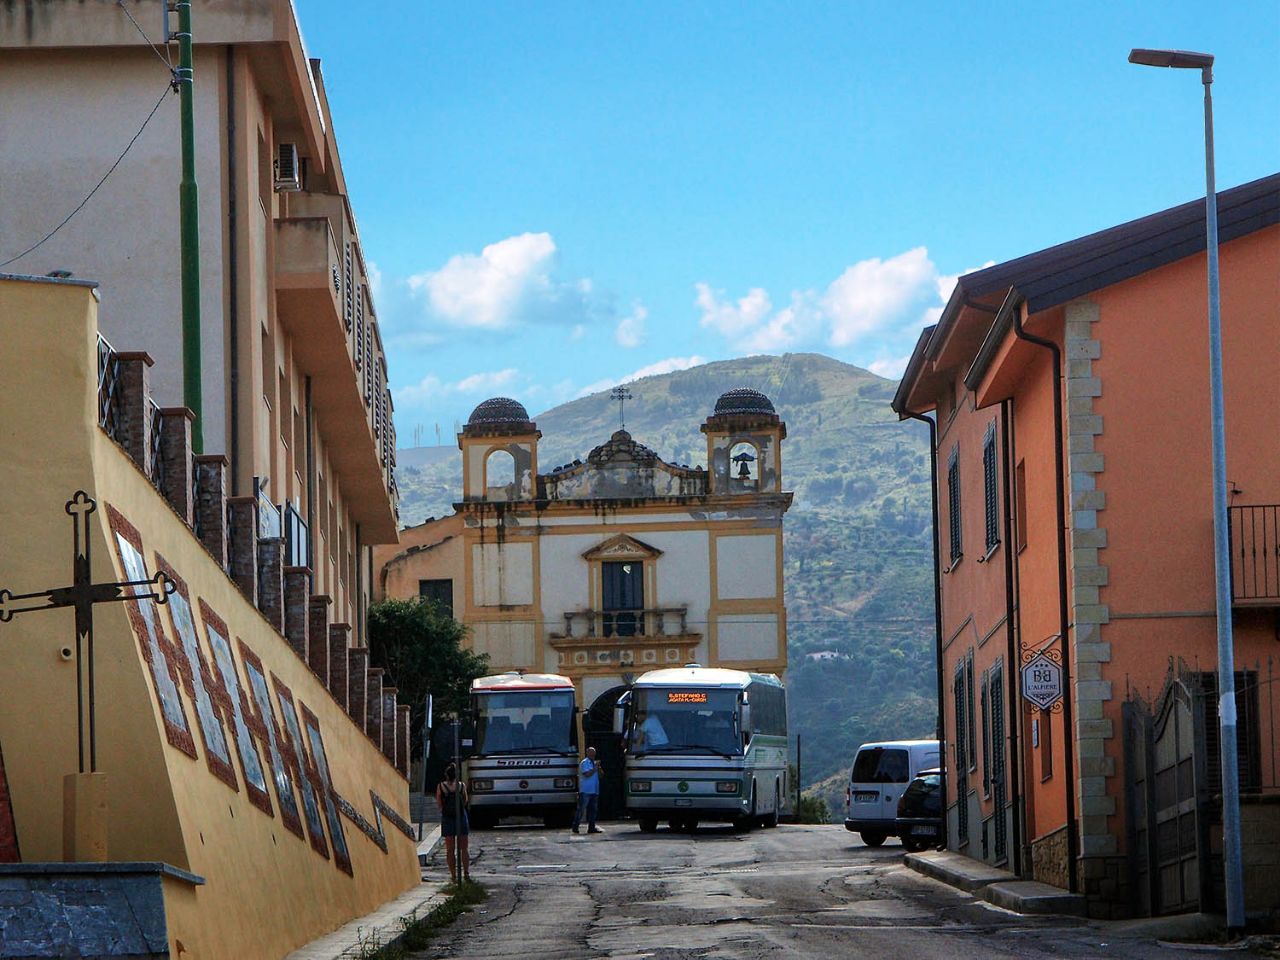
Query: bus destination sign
point(686, 696)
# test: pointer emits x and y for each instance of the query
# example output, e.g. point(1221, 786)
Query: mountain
point(857, 539)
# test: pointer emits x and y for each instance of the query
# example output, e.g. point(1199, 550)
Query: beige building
point(605, 568)
point(295, 383)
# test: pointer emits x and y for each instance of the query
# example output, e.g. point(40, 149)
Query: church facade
point(607, 567)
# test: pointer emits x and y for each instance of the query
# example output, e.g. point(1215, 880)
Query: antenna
point(622, 395)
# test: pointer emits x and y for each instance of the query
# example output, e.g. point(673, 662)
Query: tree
point(419, 645)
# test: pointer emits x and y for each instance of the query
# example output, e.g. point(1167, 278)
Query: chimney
point(133, 392)
point(358, 685)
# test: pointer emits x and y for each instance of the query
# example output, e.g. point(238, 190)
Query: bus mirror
point(744, 718)
point(619, 718)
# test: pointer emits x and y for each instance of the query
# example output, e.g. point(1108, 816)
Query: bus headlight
point(641, 786)
point(728, 786)
point(479, 786)
point(565, 783)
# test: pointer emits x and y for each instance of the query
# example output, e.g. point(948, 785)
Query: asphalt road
point(793, 892)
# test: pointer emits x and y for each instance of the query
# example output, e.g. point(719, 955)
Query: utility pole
point(190, 232)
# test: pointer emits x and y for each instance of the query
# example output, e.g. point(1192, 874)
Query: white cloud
point(507, 282)
point(947, 282)
point(732, 319)
point(874, 292)
point(486, 381)
point(630, 330)
point(432, 387)
point(889, 367)
point(872, 311)
point(375, 280)
point(669, 365)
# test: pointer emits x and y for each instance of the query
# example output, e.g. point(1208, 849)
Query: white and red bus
point(524, 757)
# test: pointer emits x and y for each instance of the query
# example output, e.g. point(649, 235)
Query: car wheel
point(912, 845)
point(873, 838)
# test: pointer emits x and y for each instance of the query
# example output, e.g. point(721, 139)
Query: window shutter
point(953, 503)
point(989, 484)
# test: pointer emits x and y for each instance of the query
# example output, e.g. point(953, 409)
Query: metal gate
point(1165, 754)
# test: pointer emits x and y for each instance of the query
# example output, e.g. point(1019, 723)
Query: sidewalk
point(386, 923)
point(999, 887)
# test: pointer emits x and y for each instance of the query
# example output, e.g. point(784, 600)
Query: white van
point(881, 771)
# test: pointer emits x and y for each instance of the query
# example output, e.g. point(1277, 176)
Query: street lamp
point(1187, 60)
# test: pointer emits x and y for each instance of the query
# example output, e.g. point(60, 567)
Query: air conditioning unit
point(288, 168)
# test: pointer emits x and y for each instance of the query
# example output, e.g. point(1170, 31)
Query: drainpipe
point(189, 223)
point(233, 276)
point(1013, 670)
point(937, 603)
point(1068, 744)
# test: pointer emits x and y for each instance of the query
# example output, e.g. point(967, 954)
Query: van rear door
point(879, 775)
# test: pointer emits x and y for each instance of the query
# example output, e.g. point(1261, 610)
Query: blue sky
point(558, 196)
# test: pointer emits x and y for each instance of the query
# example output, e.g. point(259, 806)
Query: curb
point(429, 844)
point(998, 887)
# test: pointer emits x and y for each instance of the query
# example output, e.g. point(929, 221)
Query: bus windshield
point(527, 721)
point(671, 720)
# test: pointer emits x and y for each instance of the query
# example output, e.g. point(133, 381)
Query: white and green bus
point(705, 744)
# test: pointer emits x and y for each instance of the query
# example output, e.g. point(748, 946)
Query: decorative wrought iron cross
point(622, 395)
point(82, 595)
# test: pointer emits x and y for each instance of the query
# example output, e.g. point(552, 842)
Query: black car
point(920, 812)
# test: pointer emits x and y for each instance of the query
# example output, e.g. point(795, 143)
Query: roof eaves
point(991, 343)
point(899, 402)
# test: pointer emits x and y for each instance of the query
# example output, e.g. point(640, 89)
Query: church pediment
point(622, 547)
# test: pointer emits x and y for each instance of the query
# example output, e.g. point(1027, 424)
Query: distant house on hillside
point(607, 567)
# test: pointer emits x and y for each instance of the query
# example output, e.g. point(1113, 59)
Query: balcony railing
point(1255, 555)
point(155, 460)
point(295, 538)
point(607, 624)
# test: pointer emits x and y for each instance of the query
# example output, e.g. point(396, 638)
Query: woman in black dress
point(451, 797)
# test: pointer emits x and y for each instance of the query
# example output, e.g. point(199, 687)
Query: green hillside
point(857, 548)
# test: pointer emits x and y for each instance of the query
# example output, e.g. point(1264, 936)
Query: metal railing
point(1255, 554)
point(108, 389)
point(155, 460)
point(649, 622)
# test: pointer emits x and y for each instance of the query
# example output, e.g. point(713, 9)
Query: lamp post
point(1231, 855)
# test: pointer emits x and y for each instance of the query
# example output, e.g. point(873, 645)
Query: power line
point(164, 57)
point(97, 186)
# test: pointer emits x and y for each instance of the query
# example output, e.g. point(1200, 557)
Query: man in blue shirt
point(588, 792)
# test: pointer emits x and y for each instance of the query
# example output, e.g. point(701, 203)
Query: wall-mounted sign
point(1042, 681)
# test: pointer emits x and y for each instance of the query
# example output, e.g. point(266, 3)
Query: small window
point(968, 693)
point(1020, 496)
point(439, 592)
point(989, 489)
point(953, 504)
point(986, 736)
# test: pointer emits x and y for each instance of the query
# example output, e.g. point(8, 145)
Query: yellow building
point(294, 378)
point(224, 764)
point(608, 567)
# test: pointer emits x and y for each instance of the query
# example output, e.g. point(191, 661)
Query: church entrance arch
point(597, 730)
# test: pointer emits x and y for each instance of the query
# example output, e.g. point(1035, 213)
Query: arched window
point(744, 467)
point(500, 476)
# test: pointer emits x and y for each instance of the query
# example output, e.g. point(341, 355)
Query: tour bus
point(523, 759)
point(705, 744)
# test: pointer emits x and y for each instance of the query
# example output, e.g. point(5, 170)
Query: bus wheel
point(873, 838)
point(648, 825)
point(771, 819)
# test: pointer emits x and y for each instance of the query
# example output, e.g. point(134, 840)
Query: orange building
point(1070, 393)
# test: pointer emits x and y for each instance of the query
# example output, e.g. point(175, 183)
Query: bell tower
point(744, 444)
point(499, 447)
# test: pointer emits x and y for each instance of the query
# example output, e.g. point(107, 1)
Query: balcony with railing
point(1255, 555)
point(622, 625)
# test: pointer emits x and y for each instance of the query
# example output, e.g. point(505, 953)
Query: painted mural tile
point(197, 679)
point(308, 776)
point(341, 856)
point(265, 720)
point(160, 654)
point(236, 703)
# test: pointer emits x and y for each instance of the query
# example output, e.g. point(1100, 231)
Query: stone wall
point(1049, 858)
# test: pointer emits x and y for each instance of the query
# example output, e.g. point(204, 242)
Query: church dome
point(498, 411)
point(744, 402)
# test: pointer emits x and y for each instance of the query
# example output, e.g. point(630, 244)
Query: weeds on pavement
point(416, 932)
